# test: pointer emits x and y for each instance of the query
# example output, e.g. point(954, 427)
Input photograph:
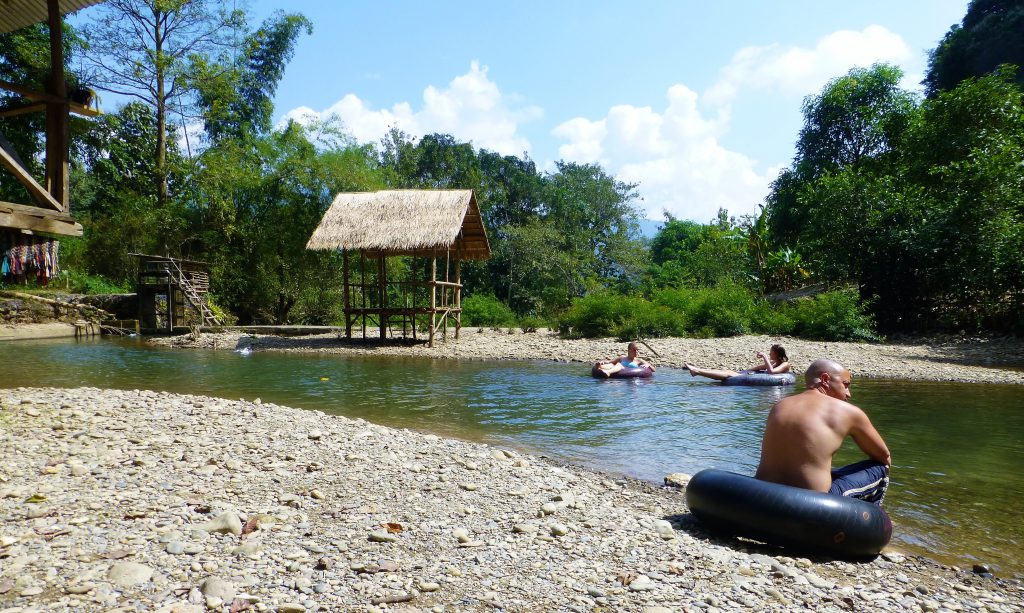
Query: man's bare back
point(804, 431)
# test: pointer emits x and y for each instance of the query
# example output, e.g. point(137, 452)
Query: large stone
point(664, 529)
point(227, 523)
point(217, 587)
point(127, 574)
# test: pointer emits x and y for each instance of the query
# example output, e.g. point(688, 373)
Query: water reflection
point(957, 488)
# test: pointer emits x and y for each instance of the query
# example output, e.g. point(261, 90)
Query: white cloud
point(797, 71)
point(675, 154)
point(470, 108)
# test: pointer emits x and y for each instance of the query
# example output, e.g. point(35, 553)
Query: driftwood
point(649, 348)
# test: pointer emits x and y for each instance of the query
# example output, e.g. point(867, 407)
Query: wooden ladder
point(193, 296)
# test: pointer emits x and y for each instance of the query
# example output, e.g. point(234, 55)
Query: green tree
point(236, 91)
point(141, 49)
point(991, 34)
point(597, 219)
point(855, 119)
point(964, 155)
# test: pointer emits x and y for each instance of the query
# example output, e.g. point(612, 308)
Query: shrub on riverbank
point(486, 310)
point(727, 310)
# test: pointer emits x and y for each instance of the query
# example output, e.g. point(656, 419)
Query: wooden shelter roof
point(404, 222)
point(16, 14)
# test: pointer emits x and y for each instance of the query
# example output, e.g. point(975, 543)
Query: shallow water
point(957, 491)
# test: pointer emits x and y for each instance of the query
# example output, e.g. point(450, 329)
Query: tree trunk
point(161, 113)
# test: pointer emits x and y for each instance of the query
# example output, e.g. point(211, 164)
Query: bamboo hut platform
point(432, 230)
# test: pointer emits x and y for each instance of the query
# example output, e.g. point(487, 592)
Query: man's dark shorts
point(865, 480)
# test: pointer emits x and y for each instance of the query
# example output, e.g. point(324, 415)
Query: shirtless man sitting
point(804, 431)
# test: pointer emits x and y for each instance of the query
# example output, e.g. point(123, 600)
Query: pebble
point(383, 537)
point(371, 518)
point(175, 548)
point(227, 523)
point(128, 574)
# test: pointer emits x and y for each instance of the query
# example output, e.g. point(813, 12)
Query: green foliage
point(648, 320)
point(989, 35)
point(726, 310)
point(772, 319)
point(855, 119)
point(238, 90)
point(718, 311)
point(688, 254)
point(834, 316)
point(599, 313)
point(82, 283)
point(486, 310)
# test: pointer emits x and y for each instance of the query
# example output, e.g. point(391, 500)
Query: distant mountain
point(649, 227)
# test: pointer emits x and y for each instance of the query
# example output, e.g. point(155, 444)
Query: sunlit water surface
point(957, 491)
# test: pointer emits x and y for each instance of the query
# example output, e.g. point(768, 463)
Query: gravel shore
point(138, 500)
point(962, 359)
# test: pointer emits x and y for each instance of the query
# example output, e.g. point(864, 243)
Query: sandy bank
point(972, 360)
point(153, 501)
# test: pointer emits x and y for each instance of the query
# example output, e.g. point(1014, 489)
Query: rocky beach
point(961, 359)
point(146, 501)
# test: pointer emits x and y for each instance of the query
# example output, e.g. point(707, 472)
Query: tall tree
point(991, 34)
point(856, 117)
point(141, 49)
point(236, 91)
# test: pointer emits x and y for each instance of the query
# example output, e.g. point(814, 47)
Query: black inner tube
point(788, 516)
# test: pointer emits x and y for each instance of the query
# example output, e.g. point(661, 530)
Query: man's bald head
point(813, 375)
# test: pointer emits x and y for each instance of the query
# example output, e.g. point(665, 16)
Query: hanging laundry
point(24, 257)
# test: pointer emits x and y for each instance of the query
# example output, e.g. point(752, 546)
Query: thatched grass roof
point(404, 222)
point(16, 14)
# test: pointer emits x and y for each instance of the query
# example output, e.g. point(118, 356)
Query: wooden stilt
point(433, 296)
point(57, 153)
point(362, 288)
point(347, 305)
point(382, 297)
point(458, 294)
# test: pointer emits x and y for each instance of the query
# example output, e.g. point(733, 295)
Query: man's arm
point(868, 439)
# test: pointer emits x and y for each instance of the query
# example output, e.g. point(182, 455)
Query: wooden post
point(433, 296)
point(444, 293)
point(57, 113)
point(345, 290)
point(382, 298)
point(362, 288)
point(458, 294)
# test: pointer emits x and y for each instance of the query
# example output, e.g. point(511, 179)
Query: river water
point(957, 492)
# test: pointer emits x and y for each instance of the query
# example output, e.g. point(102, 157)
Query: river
point(957, 492)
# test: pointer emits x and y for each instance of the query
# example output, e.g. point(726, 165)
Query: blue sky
point(698, 102)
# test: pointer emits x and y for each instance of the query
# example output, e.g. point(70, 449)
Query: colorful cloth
point(28, 255)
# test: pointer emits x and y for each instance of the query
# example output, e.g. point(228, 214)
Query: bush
point(723, 310)
point(486, 310)
point(531, 323)
point(597, 314)
point(83, 283)
point(649, 320)
point(834, 316)
point(771, 319)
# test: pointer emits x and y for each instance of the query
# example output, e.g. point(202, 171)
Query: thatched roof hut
point(418, 222)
